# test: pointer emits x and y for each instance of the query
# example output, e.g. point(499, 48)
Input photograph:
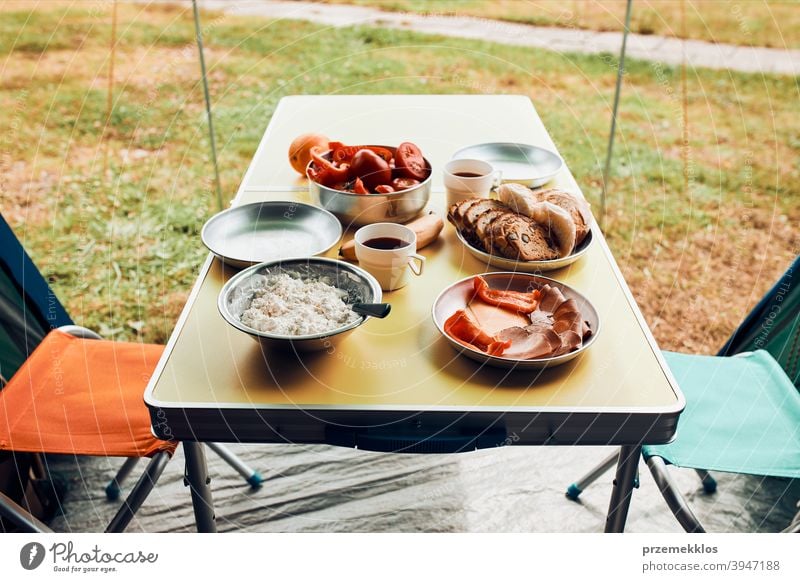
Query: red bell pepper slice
point(516, 301)
point(462, 327)
point(325, 172)
point(359, 187)
point(324, 176)
point(344, 153)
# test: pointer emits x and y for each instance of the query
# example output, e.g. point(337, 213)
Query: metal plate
point(527, 266)
point(267, 231)
point(519, 162)
point(458, 295)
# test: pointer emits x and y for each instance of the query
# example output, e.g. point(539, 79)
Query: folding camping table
point(395, 384)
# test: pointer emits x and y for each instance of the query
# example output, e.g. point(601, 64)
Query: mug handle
point(417, 267)
point(498, 179)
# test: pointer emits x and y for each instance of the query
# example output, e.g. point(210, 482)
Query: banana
point(426, 227)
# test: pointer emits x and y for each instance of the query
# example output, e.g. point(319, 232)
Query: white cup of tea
point(388, 251)
point(468, 178)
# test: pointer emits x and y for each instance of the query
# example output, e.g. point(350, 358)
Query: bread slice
point(518, 198)
point(465, 214)
point(485, 219)
point(518, 237)
point(558, 223)
point(474, 212)
point(455, 214)
point(577, 208)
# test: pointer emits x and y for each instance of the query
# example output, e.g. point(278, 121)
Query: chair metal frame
point(658, 467)
point(40, 302)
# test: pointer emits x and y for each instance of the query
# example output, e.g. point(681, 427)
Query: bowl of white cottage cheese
point(301, 304)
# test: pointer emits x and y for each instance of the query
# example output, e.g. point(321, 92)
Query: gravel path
point(645, 47)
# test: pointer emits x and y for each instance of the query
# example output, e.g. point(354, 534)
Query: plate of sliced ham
point(512, 320)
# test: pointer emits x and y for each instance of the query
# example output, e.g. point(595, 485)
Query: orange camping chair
point(66, 391)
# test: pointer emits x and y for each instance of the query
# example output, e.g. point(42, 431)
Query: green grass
point(770, 23)
point(123, 249)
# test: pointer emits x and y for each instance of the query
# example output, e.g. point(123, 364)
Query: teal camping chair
point(742, 406)
point(29, 312)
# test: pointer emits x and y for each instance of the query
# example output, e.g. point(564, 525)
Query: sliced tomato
point(409, 162)
point(384, 189)
point(404, 183)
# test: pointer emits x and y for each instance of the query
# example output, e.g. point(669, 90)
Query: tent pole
point(110, 95)
point(609, 152)
point(199, 35)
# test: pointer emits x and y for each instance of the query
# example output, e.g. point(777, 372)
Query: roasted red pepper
point(517, 301)
point(463, 327)
point(359, 187)
point(344, 153)
point(327, 172)
point(335, 180)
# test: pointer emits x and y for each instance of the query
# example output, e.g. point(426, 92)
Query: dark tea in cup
point(386, 243)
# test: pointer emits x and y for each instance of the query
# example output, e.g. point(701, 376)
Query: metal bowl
point(237, 294)
point(267, 231)
point(360, 209)
point(458, 295)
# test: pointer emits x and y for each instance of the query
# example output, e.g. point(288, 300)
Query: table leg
point(197, 479)
point(627, 465)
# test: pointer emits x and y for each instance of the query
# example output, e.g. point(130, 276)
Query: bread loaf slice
point(576, 206)
point(455, 214)
point(484, 220)
point(518, 237)
point(473, 213)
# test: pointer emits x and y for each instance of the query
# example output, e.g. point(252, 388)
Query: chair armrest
point(80, 331)
point(10, 510)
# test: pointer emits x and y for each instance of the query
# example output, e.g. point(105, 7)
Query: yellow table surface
point(402, 362)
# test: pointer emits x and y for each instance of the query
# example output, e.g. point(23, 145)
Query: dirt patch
point(141, 67)
point(694, 293)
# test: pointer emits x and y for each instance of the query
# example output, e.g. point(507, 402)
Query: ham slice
point(556, 328)
point(550, 298)
point(567, 317)
point(528, 343)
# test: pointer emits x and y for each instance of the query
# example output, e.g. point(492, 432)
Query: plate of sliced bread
point(523, 229)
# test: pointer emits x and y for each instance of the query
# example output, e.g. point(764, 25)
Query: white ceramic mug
point(390, 263)
point(467, 178)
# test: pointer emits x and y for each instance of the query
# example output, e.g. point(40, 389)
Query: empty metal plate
point(268, 231)
point(519, 162)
